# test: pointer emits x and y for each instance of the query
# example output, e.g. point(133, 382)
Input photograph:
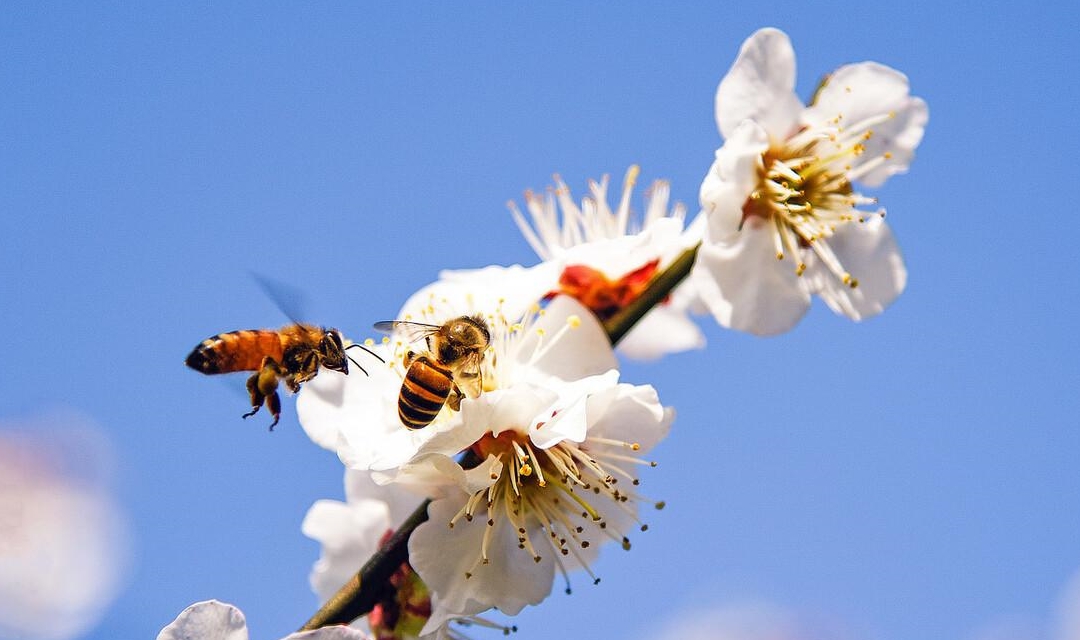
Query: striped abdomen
point(235, 351)
point(424, 391)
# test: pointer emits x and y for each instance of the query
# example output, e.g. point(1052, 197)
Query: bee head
point(332, 352)
point(464, 335)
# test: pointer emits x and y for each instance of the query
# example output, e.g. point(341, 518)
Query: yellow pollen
point(888, 154)
point(635, 446)
point(369, 342)
point(540, 331)
point(525, 469)
point(574, 322)
point(779, 255)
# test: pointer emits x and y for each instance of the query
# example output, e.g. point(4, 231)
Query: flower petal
point(512, 290)
point(760, 86)
point(554, 348)
point(731, 179)
point(209, 620)
point(663, 330)
point(747, 288)
point(870, 253)
point(569, 422)
point(442, 556)
point(631, 413)
point(867, 92)
point(336, 632)
point(359, 486)
point(349, 534)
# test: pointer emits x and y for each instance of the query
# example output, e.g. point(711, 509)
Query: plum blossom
point(607, 256)
point(784, 219)
point(350, 531)
point(63, 537)
point(557, 436)
point(213, 620)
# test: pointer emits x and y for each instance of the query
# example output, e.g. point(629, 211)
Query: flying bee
point(292, 354)
point(448, 370)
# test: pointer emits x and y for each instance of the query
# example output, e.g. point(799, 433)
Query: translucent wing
point(291, 300)
point(469, 377)
point(412, 331)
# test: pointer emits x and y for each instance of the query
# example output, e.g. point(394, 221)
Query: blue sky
point(913, 476)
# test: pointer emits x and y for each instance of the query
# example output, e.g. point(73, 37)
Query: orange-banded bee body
point(292, 354)
point(448, 370)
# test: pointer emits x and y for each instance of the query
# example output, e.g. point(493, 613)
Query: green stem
point(661, 286)
point(371, 584)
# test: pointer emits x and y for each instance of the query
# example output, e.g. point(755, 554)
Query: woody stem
point(370, 584)
point(660, 287)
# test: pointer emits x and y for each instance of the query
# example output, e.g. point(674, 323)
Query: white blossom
point(63, 537)
point(213, 620)
point(784, 219)
point(557, 435)
point(606, 256)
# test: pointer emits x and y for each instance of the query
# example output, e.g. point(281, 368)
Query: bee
point(292, 354)
point(448, 370)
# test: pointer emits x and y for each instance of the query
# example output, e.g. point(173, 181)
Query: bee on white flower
point(558, 438)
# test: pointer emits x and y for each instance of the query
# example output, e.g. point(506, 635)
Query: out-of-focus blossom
point(63, 538)
point(752, 620)
point(606, 257)
point(213, 620)
point(784, 218)
point(1068, 610)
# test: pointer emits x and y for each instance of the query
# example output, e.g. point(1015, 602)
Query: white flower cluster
point(528, 446)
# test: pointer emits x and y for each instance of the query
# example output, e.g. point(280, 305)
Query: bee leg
point(256, 397)
point(273, 403)
point(408, 359)
point(262, 386)
point(454, 399)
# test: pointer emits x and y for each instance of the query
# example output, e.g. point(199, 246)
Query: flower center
point(805, 190)
point(603, 296)
point(553, 498)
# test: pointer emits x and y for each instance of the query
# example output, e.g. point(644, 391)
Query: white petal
point(870, 254)
point(663, 330)
point(438, 476)
point(565, 352)
point(631, 413)
point(615, 257)
point(509, 409)
point(747, 288)
point(569, 422)
point(209, 620)
point(760, 86)
point(349, 534)
point(400, 503)
point(868, 90)
point(512, 289)
point(336, 632)
point(442, 556)
point(731, 179)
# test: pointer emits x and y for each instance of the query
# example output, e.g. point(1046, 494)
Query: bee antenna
point(360, 346)
point(357, 364)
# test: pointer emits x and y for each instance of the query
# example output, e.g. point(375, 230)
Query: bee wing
point(412, 331)
point(291, 300)
point(469, 377)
